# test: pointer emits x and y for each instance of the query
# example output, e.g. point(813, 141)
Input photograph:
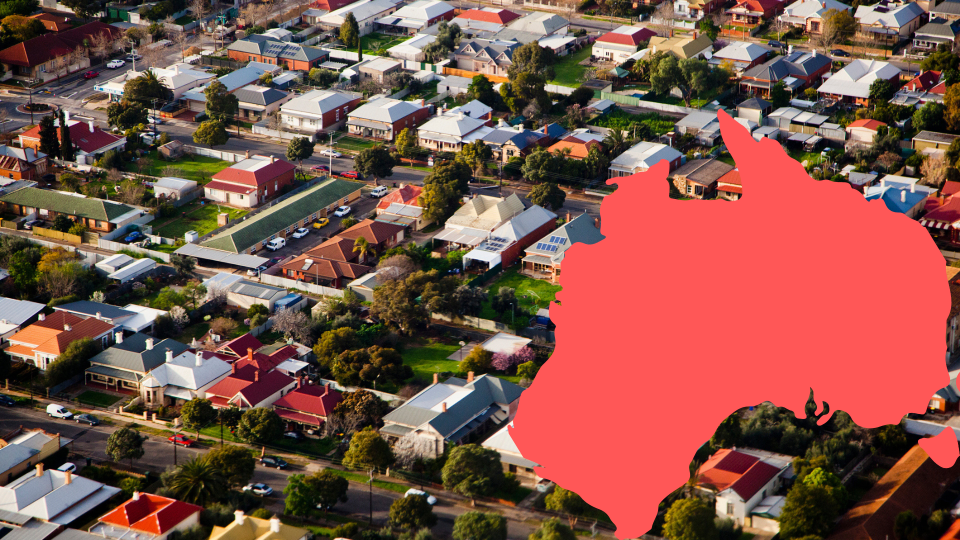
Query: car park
point(330, 153)
point(321, 223)
point(259, 489)
point(90, 75)
point(273, 461)
point(182, 440)
point(342, 211)
point(58, 411)
point(431, 500)
point(276, 244)
point(88, 419)
point(115, 64)
point(378, 192)
point(7, 401)
point(300, 233)
point(353, 175)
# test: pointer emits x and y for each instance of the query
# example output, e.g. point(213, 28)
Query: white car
point(300, 233)
point(330, 153)
point(342, 211)
point(259, 489)
point(154, 120)
point(114, 64)
point(431, 500)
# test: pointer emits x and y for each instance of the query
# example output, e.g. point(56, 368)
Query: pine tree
point(49, 144)
point(67, 152)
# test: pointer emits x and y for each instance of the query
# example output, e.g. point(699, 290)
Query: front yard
point(354, 144)
point(97, 399)
point(532, 294)
point(567, 70)
point(199, 217)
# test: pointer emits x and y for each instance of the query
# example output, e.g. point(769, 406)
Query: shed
point(290, 301)
point(114, 263)
point(244, 294)
point(505, 343)
point(767, 132)
point(133, 270)
point(287, 79)
point(454, 85)
point(173, 188)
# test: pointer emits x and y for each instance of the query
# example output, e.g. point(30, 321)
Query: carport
point(216, 258)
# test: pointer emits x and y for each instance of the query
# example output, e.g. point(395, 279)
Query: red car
point(90, 75)
point(352, 174)
point(182, 440)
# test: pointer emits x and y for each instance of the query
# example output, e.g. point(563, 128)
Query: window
point(338, 115)
point(729, 509)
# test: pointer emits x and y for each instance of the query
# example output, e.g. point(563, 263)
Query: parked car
point(7, 401)
point(276, 244)
point(134, 56)
point(154, 120)
point(300, 233)
point(32, 223)
point(88, 419)
point(258, 270)
point(321, 223)
point(273, 461)
point(321, 168)
point(90, 75)
point(352, 174)
point(342, 211)
point(67, 467)
point(840, 52)
point(431, 500)
point(274, 261)
point(378, 192)
point(775, 44)
point(58, 411)
point(295, 435)
point(182, 440)
point(115, 64)
point(259, 489)
point(330, 153)
point(134, 236)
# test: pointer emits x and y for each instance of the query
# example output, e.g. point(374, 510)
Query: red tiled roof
point(639, 36)
point(939, 89)
point(259, 177)
point(406, 195)
point(949, 212)
point(334, 249)
point(949, 188)
point(502, 16)
point(867, 123)
point(284, 353)
point(764, 6)
point(151, 514)
point(49, 336)
point(302, 418)
point(374, 231)
point(36, 51)
point(731, 189)
point(239, 346)
point(754, 479)
point(311, 399)
point(326, 268)
point(53, 23)
point(80, 134)
point(331, 5)
point(924, 81)
point(268, 385)
point(232, 188)
point(260, 361)
point(578, 148)
point(743, 473)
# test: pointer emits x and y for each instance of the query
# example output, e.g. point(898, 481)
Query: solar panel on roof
point(558, 240)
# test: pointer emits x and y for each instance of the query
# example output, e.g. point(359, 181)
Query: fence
point(187, 197)
point(300, 285)
point(471, 74)
point(439, 97)
point(57, 235)
point(262, 128)
point(484, 277)
point(218, 154)
point(7, 224)
point(343, 55)
point(220, 62)
point(340, 388)
point(117, 246)
point(476, 322)
point(637, 102)
point(401, 94)
point(76, 379)
point(557, 89)
point(263, 328)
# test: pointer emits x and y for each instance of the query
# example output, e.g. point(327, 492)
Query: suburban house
point(379, 69)
point(51, 56)
point(808, 14)
point(308, 405)
point(384, 118)
point(754, 109)
point(43, 341)
point(507, 142)
point(737, 482)
point(729, 186)
point(618, 44)
point(695, 9)
point(863, 132)
point(331, 264)
point(318, 110)
point(698, 178)
point(507, 242)
point(407, 194)
point(484, 22)
point(741, 55)
point(750, 13)
point(257, 102)
point(124, 365)
point(477, 218)
point(415, 16)
point(926, 86)
point(23, 449)
point(196, 98)
point(380, 236)
point(124, 268)
point(948, 9)
point(937, 32)
point(683, 47)
point(243, 294)
point(486, 57)
point(265, 49)
point(914, 483)
point(57, 497)
point(474, 109)
point(510, 456)
point(703, 125)
point(942, 222)
point(21, 164)
point(797, 70)
point(448, 132)
point(901, 199)
point(186, 376)
point(930, 142)
point(456, 411)
point(87, 309)
point(97, 215)
point(53, 23)
point(248, 386)
point(532, 27)
point(178, 78)
point(89, 141)
point(402, 207)
point(251, 182)
point(366, 12)
point(579, 142)
point(889, 24)
point(251, 528)
point(147, 515)
point(543, 257)
point(852, 83)
point(412, 49)
point(15, 315)
point(642, 156)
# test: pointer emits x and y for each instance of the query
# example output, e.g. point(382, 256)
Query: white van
point(276, 244)
point(378, 192)
point(59, 411)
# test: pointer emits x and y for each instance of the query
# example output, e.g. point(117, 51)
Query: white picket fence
point(299, 285)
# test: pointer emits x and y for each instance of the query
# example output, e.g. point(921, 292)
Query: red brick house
point(308, 405)
point(750, 13)
point(250, 182)
point(381, 236)
point(38, 58)
point(249, 387)
point(318, 110)
point(326, 272)
point(88, 140)
point(385, 118)
point(489, 15)
point(258, 48)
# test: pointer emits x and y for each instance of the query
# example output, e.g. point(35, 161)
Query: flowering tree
point(523, 356)
point(180, 317)
point(502, 362)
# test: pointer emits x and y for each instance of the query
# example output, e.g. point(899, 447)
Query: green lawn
point(568, 69)
point(532, 294)
point(191, 167)
point(372, 42)
point(697, 102)
point(430, 359)
point(363, 478)
point(186, 19)
point(195, 331)
point(353, 143)
point(200, 218)
point(812, 158)
point(727, 158)
point(97, 399)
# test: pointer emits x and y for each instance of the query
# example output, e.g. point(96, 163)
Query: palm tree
point(615, 143)
point(363, 248)
point(197, 482)
point(562, 152)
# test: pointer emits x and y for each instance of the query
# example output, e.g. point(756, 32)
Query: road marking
point(73, 94)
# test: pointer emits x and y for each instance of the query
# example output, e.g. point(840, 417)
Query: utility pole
point(500, 177)
point(221, 427)
point(174, 451)
point(30, 106)
point(154, 119)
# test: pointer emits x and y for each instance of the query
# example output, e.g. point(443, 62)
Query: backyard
point(620, 119)
point(532, 294)
point(375, 41)
point(430, 357)
point(195, 216)
point(567, 70)
point(190, 167)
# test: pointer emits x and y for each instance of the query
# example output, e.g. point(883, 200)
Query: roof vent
point(149, 344)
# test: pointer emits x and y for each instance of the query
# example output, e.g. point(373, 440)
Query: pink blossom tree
point(502, 362)
point(523, 356)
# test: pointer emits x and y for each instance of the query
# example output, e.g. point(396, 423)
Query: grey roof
point(580, 229)
point(256, 290)
point(74, 534)
point(938, 28)
point(254, 94)
point(16, 518)
point(795, 64)
point(755, 104)
point(90, 309)
point(132, 354)
point(703, 171)
point(479, 48)
point(267, 46)
point(114, 372)
point(484, 392)
point(521, 140)
point(384, 110)
point(933, 136)
point(33, 530)
point(318, 102)
point(950, 7)
point(539, 22)
point(510, 34)
point(13, 455)
point(18, 311)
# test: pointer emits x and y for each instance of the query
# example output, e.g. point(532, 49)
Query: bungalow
point(484, 22)
point(244, 294)
point(889, 25)
point(366, 12)
point(124, 365)
point(406, 194)
point(186, 376)
point(150, 516)
point(380, 236)
point(52, 55)
point(265, 49)
point(457, 411)
point(385, 118)
point(21, 164)
point(808, 14)
point(506, 243)
point(943, 222)
point(251, 528)
point(414, 17)
point(641, 157)
point(579, 143)
point(750, 13)
point(257, 102)
point(325, 272)
point(683, 47)
point(704, 125)
point(196, 98)
point(379, 69)
point(23, 449)
point(248, 387)
point(251, 182)
point(797, 70)
point(308, 405)
point(477, 218)
point(618, 44)
point(96, 214)
point(510, 456)
point(695, 9)
point(45, 340)
point(507, 142)
point(403, 208)
point(737, 482)
point(532, 27)
point(178, 78)
point(729, 186)
point(926, 86)
point(543, 257)
point(863, 132)
point(89, 141)
point(412, 49)
point(15, 314)
point(448, 132)
point(852, 83)
point(474, 109)
point(937, 32)
point(741, 55)
point(698, 178)
point(87, 309)
point(318, 110)
point(335, 263)
point(57, 497)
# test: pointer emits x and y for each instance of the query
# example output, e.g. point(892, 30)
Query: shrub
point(347, 530)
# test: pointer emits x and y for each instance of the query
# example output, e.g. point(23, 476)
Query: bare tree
point(179, 38)
point(342, 424)
point(397, 267)
point(100, 44)
point(60, 65)
point(933, 170)
point(275, 122)
point(180, 317)
point(662, 19)
point(780, 25)
point(114, 177)
point(293, 324)
point(216, 294)
point(410, 448)
point(172, 171)
point(132, 191)
point(200, 8)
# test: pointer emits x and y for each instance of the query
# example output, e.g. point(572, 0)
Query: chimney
point(136, 495)
point(883, 183)
point(249, 354)
point(913, 187)
point(67, 477)
point(272, 159)
point(39, 470)
point(326, 389)
point(67, 328)
point(568, 216)
point(423, 103)
point(469, 376)
point(233, 367)
point(256, 376)
point(460, 115)
point(544, 129)
point(275, 524)
point(436, 378)
point(169, 355)
point(193, 343)
point(596, 222)
point(150, 344)
point(814, 54)
point(118, 337)
point(694, 34)
point(99, 316)
point(444, 406)
point(299, 381)
point(238, 517)
point(903, 196)
point(248, 154)
point(199, 359)
point(90, 123)
point(42, 317)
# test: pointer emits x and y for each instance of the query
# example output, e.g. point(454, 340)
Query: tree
point(533, 59)
point(930, 117)
point(301, 497)
point(329, 487)
point(443, 187)
point(553, 528)
point(198, 481)
point(779, 95)
point(84, 9)
point(73, 361)
point(615, 143)
point(472, 471)
point(808, 510)
point(22, 28)
point(375, 161)
point(708, 28)
point(299, 149)
point(469, 300)
point(906, 526)
point(941, 61)
point(504, 299)
point(350, 32)
point(126, 114)
point(407, 143)
point(67, 152)
point(368, 450)
point(259, 425)
point(566, 501)
point(479, 526)
point(221, 104)
point(690, 519)
point(838, 25)
point(62, 223)
point(211, 133)
point(527, 370)
point(478, 361)
point(728, 433)
point(951, 102)
point(824, 478)
point(412, 513)
point(892, 441)
point(548, 195)
point(933, 170)
point(23, 270)
point(481, 89)
point(146, 88)
point(475, 155)
point(334, 342)
point(184, 266)
point(236, 463)
point(881, 90)
point(49, 141)
point(197, 413)
point(125, 443)
point(258, 314)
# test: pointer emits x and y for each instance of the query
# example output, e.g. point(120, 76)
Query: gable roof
point(51, 338)
point(924, 81)
point(319, 101)
point(740, 51)
point(52, 22)
point(17, 312)
point(881, 15)
point(257, 529)
point(374, 232)
point(866, 123)
point(897, 199)
point(703, 171)
point(486, 212)
point(151, 514)
point(730, 469)
point(555, 244)
point(803, 9)
point(490, 15)
point(133, 355)
point(681, 47)
point(384, 110)
point(271, 47)
point(406, 194)
point(311, 399)
point(63, 203)
point(81, 135)
point(856, 77)
point(50, 498)
point(337, 248)
point(41, 49)
point(539, 23)
point(627, 35)
point(319, 267)
point(259, 95)
point(88, 308)
point(255, 171)
point(578, 144)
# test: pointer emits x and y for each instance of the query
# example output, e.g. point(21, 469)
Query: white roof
point(382, 64)
point(384, 110)
point(317, 102)
point(739, 51)
point(292, 366)
point(281, 34)
point(473, 109)
point(114, 262)
point(502, 442)
point(144, 317)
point(413, 45)
point(505, 343)
point(454, 125)
point(183, 371)
point(485, 213)
point(133, 269)
point(645, 154)
point(178, 184)
point(749, 124)
point(456, 81)
point(524, 223)
point(423, 10)
point(813, 8)
point(223, 279)
point(894, 18)
point(17, 312)
point(539, 23)
point(555, 41)
point(48, 497)
point(362, 10)
point(855, 78)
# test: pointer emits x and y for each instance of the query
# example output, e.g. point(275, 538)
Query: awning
point(396, 430)
point(299, 417)
point(113, 372)
point(457, 236)
point(490, 258)
point(336, 66)
point(366, 123)
point(245, 261)
point(517, 460)
point(937, 224)
point(178, 393)
point(396, 220)
point(441, 138)
point(538, 259)
point(800, 137)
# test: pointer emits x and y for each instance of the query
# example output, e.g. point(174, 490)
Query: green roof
point(62, 203)
point(269, 222)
